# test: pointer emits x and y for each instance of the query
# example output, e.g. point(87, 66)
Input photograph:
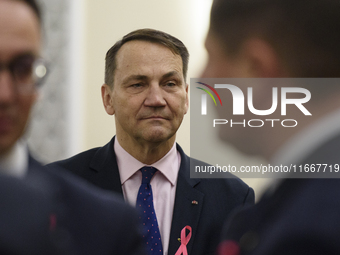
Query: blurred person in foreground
point(44, 211)
point(145, 90)
point(291, 39)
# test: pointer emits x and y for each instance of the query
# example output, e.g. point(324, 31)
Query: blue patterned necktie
point(144, 204)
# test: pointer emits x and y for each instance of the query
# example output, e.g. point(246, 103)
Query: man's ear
point(262, 59)
point(187, 98)
point(107, 99)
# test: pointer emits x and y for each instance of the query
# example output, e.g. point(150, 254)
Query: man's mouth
point(155, 117)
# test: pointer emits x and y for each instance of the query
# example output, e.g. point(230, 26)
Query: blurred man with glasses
point(44, 211)
point(21, 70)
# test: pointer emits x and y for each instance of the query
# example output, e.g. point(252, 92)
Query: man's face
point(149, 96)
point(19, 35)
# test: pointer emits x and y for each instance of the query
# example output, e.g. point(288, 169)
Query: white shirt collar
point(128, 165)
point(15, 162)
point(306, 141)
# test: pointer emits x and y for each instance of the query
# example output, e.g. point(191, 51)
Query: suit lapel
point(105, 163)
point(188, 206)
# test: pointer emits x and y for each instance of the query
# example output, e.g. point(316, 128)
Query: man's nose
point(7, 92)
point(155, 96)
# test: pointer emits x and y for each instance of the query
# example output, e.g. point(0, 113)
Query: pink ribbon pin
point(53, 222)
point(184, 241)
point(228, 247)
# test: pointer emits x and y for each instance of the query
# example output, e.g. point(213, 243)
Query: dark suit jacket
point(216, 197)
point(301, 217)
point(87, 219)
point(24, 219)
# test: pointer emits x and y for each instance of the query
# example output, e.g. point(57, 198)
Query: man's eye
point(137, 85)
point(170, 84)
point(22, 67)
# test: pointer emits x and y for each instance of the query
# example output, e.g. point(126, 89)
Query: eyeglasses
point(27, 72)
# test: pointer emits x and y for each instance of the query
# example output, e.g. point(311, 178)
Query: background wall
point(70, 116)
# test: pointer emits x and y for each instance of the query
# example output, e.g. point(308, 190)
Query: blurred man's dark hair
point(305, 34)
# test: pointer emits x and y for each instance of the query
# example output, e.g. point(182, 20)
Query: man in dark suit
point(46, 211)
point(90, 220)
point(282, 38)
point(145, 89)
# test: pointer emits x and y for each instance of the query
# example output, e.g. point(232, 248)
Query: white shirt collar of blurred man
point(15, 162)
point(298, 147)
